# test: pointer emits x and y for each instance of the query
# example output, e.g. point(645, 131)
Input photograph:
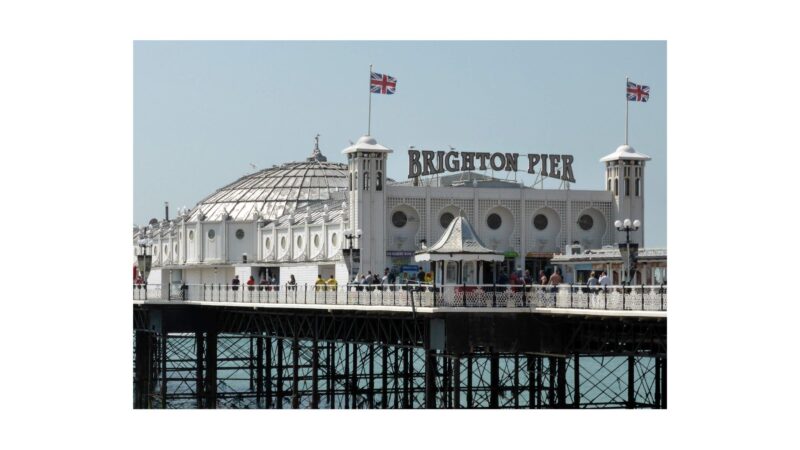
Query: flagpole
point(369, 114)
point(626, 110)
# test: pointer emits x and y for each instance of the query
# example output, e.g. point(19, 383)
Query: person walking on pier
point(251, 283)
point(320, 284)
point(292, 283)
point(555, 280)
point(603, 281)
point(592, 281)
point(235, 283)
point(332, 284)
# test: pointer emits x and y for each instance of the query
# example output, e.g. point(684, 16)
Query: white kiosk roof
point(458, 243)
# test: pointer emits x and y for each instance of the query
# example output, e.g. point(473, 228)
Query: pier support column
point(259, 371)
point(576, 402)
point(457, 382)
point(331, 375)
point(163, 365)
point(295, 373)
point(371, 381)
point(268, 370)
point(469, 381)
point(494, 380)
point(143, 380)
point(314, 375)
point(355, 376)
point(430, 379)
point(279, 373)
point(211, 370)
point(384, 376)
point(562, 382)
point(631, 403)
point(199, 362)
point(664, 383)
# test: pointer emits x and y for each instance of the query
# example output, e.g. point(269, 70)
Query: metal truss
point(256, 370)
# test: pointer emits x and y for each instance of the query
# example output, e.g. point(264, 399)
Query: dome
point(276, 191)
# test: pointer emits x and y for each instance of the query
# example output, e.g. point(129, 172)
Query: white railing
point(617, 298)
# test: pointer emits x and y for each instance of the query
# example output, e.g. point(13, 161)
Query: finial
point(316, 154)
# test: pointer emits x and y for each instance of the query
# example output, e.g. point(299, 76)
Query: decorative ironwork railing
point(564, 296)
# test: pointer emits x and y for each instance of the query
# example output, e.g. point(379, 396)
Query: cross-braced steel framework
point(259, 371)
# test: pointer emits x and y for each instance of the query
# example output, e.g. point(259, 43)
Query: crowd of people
point(371, 281)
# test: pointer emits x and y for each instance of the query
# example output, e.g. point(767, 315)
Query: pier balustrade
point(565, 296)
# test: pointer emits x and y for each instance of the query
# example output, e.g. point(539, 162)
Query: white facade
point(294, 219)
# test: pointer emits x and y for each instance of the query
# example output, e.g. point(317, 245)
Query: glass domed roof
point(276, 191)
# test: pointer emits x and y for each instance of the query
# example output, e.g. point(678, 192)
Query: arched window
point(378, 182)
point(637, 187)
point(616, 186)
point(609, 184)
point(366, 181)
point(350, 182)
point(627, 187)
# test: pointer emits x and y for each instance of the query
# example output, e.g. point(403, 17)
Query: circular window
point(268, 243)
point(586, 222)
point(166, 250)
point(334, 239)
point(540, 222)
point(239, 233)
point(445, 219)
point(299, 241)
point(191, 235)
point(176, 250)
point(399, 219)
point(283, 243)
point(316, 240)
point(211, 234)
point(494, 221)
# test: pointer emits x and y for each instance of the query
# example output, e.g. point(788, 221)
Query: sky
point(204, 110)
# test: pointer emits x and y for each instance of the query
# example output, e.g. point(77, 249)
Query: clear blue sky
point(204, 110)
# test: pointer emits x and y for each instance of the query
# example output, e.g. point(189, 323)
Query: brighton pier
point(316, 284)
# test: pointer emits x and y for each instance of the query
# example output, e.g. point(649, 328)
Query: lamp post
point(144, 243)
point(350, 236)
point(627, 258)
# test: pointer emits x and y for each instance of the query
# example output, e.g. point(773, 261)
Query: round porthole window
point(239, 233)
point(283, 243)
point(299, 241)
point(316, 240)
point(334, 239)
point(268, 243)
point(540, 222)
point(175, 251)
point(191, 235)
point(445, 219)
point(211, 234)
point(399, 219)
point(586, 222)
point(166, 250)
point(494, 221)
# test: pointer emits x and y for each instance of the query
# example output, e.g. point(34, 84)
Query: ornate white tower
point(366, 162)
point(625, 179)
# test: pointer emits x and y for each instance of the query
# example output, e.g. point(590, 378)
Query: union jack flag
point(382, 84)
point(637, 92)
